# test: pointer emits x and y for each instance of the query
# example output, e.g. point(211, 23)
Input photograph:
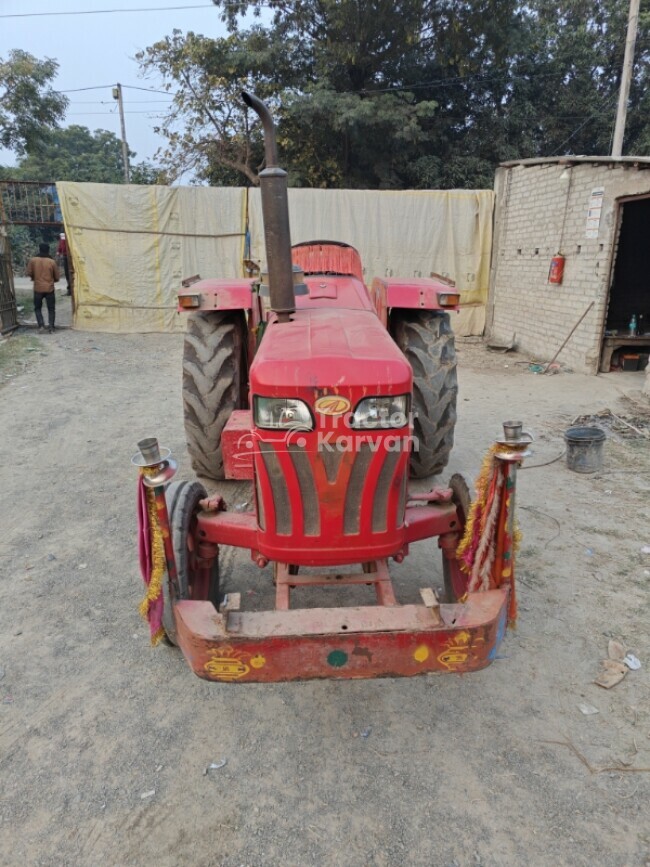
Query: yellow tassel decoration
point(158, 564)
point(158, 636)
point(478, 502)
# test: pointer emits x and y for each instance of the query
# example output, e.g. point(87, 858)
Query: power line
point(107, 11)
point(148, 90)
point(107, 86)
point(440, 82)
point(479, 77)
point(595, 114)
point(442, 115)
point(458, 79)
point(80, 89)
point(111, 113)
point(110, 101)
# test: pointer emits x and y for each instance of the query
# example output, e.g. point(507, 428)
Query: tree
point(402, 93)
point(77, 154)
point(207, 126)
point(28, 104)
point(209, 129)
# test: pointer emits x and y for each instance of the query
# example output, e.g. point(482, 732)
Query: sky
point(99, 49)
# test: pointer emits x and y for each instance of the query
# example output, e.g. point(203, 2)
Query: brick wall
point(539, 213)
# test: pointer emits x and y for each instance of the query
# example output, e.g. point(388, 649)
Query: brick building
point(595, 211)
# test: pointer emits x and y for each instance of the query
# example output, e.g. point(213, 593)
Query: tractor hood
point(329, 349)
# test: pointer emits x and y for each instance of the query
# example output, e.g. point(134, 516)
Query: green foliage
point(71, 154)
point(77, 154)
point(22, 246)
point(24, 242)
point(207, 126)
point(146, 174)
point(28, 104)
point(402, 93)
point(361, 140)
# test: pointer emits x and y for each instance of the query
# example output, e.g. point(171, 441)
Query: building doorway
point(626, 344)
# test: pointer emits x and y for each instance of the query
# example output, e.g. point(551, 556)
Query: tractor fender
point(415, 293)
point(217, 294)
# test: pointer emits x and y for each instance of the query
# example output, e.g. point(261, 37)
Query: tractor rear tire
point(182, 500)
point(426, 339)
point(214, 384)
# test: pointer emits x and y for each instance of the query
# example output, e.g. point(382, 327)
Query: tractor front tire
point(426, 339)
point(214, 384)
point(462, 499)
point(182, 500)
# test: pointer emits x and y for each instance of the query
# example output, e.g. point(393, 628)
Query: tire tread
point(213, 385)
point(426, 339)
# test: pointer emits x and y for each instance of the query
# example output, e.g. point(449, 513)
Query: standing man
point(44, 273)
point(62, 251)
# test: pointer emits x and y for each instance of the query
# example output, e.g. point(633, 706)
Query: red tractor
point(326, 395)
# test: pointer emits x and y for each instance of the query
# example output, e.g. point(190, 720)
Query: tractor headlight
point(282, 413)
point(381, 412)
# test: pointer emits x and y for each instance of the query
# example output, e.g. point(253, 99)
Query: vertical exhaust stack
point(275, 210)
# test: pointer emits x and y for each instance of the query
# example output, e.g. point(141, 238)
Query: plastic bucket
point(584, 449)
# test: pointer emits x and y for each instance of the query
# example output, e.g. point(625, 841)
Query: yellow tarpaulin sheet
point(132, 246)
point(409, 233)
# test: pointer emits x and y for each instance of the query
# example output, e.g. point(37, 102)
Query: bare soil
point(500, 767)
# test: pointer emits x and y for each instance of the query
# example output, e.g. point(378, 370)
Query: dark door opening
point(626, 344)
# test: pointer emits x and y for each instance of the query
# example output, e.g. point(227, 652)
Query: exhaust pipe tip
point(261, 109)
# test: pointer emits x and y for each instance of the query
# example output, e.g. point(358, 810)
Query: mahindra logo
point(332, 405)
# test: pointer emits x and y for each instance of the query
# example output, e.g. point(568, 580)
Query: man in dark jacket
point(44, 273)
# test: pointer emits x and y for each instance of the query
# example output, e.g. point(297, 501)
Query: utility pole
point(117, 94)
point(626, 76)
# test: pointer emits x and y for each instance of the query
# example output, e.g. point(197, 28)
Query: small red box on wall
point(556, 271)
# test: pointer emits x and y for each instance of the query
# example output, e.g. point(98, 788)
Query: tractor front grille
point(380, 504)
point(278, 483)
point(353, 491)
point(308, 495)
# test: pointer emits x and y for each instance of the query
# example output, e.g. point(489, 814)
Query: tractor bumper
point(362, 642)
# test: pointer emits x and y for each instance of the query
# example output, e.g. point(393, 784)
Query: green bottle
point(633, 326)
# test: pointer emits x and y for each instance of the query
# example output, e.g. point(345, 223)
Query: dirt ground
point(500, 767)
